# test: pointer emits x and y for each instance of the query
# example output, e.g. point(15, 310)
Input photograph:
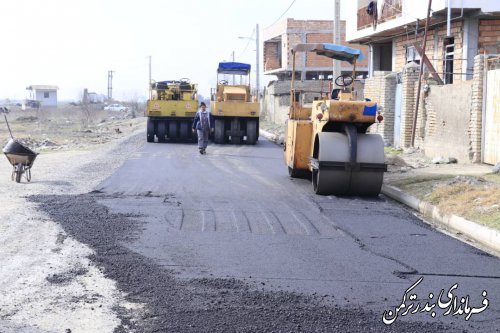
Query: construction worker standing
point(202, 123)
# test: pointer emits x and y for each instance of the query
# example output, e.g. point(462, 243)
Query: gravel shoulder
point(47, 281)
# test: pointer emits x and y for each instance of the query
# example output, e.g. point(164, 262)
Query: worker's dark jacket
point(197, 122)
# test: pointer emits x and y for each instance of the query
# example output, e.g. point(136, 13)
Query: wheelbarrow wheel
point(19, 172)
point(28, 174)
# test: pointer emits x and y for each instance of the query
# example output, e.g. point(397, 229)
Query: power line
point(249, 39)
point(279, 18)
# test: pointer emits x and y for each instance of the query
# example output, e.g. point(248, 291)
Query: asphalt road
point(228, 242)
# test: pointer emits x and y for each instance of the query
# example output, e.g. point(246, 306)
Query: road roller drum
point(335, 173)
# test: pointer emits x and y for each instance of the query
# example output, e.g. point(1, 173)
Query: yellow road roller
point(235, 111)
point(327, 139)
point(171, 109)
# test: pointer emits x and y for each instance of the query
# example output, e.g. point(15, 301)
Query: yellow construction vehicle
point(170, 110)
point(235, 112)
point(327, 139)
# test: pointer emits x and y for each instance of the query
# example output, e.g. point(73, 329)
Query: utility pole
point(257, 67)
point(149, 77)
point(257, 61)
point(232, 55)
point(110, 84)
point(336, 39)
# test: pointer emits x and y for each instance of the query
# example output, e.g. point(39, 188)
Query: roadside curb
point(269, 136)
point(481, 234)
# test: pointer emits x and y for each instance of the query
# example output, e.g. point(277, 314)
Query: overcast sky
point(74, 43)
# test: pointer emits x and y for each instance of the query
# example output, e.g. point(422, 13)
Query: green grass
point(421, 186)
point(492, 177)
point(491, 221)
point(392, 151)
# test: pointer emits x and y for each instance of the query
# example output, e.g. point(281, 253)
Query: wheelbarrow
point(20, 156)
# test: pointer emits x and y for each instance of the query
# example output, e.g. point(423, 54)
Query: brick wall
point(293, 39)
point(476, 111)
point(314, 60)
point(443, 128)
point(304, 31)
point(434, 48)
point(271, 56)
point(382, 89)
point(311, 24)
point(489, 36)
point(409, 88)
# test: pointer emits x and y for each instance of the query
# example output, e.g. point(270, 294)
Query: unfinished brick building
point(282, 36)
point(278, 41)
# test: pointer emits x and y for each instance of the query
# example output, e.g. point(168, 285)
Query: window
point(46, 94)
point(449, 50)
point(412, 55)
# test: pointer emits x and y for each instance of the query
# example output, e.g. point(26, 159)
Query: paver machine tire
point(172, 129)
point(235, 128)
point(219, 136)
point(161, 131)
point(183, 130)
point(251, 131)
point(150, 129)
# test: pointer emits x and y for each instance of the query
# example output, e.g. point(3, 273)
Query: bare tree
point(87, 109)
point(136, 106)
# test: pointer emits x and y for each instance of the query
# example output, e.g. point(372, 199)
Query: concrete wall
point(277, 97)
point(276, 103)
point(51, 100)
point(447, 110)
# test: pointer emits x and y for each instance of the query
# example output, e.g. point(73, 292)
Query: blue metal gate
point(397, 109)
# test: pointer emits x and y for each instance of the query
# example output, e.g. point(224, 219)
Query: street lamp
point(257, 59)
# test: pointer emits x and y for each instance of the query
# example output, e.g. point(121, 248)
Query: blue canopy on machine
point(334, 51)
point(236, 68)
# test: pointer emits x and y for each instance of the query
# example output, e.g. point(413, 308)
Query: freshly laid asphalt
point(228, 242)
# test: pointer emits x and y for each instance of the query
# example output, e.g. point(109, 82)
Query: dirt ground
point(66, 128)
point(47, 282)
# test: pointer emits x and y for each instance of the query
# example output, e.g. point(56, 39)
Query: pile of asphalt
point(198, 305)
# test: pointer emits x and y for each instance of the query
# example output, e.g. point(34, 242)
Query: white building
point(45, 94)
